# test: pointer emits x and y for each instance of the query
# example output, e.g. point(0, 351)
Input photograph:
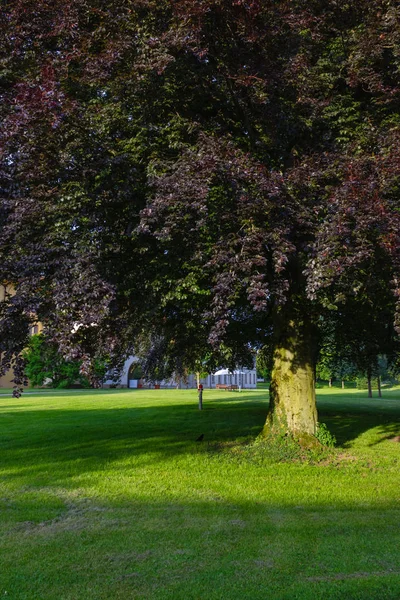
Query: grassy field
point(107, 495)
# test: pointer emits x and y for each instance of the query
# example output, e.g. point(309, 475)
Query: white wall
point(123, 380)
point(248, 379)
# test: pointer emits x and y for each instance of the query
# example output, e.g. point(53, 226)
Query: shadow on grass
point(63, 441)
point(348, 417)
point(177, 550)
point(42, 441)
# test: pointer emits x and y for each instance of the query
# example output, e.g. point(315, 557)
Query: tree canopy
point(199, 178)
point(44, 365)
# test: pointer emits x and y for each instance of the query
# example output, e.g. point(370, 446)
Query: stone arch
point(134, 375)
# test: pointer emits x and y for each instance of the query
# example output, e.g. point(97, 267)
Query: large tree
point(199, 177)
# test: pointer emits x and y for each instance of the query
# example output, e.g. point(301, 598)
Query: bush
point(44, 363)
point(324, 436)
point(362, 383)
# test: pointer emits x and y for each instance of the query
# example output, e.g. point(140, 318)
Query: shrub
point(362, 383)
point(44, 363)
point(324, 436)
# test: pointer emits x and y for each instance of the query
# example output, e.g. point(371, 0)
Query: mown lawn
point(107, 495)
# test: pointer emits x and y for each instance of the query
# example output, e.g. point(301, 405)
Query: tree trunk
point(330, 382)
point(369, 385)
point(292, 390)
point(379, 387)
point(342, 384)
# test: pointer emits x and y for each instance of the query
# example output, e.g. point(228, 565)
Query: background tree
point(264, 361)
point(201, 173)
point(44, 365)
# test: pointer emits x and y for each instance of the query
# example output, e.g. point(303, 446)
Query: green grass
point(107, 495)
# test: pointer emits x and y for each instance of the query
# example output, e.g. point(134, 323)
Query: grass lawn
point(107, 495)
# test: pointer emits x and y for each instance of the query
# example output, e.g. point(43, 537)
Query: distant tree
point(264, 362)
point(200, 175)
point(44, 365)
point(330, 368)
point(329, 353)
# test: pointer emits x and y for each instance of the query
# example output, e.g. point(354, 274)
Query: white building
point(243, 378)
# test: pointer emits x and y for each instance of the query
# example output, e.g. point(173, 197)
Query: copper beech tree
point(197, 178)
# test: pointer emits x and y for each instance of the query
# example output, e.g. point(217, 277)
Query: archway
point(135, 376)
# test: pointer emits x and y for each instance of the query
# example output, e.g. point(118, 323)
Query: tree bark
point(342, 384)
point(379, 387)
point(292, 390)
point(330, 382)
point(369, 385)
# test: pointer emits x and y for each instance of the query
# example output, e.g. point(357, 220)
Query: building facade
point(130, 378)
point(7, 380)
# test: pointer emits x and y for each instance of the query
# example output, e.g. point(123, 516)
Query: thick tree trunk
point(342, 384)
point(292, 389)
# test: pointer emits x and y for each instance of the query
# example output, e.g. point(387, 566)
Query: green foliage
point(264, 373)
point(44, 365)
point(264, 362)
point(136, 372)
point(324, 436)
point(362, 383)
